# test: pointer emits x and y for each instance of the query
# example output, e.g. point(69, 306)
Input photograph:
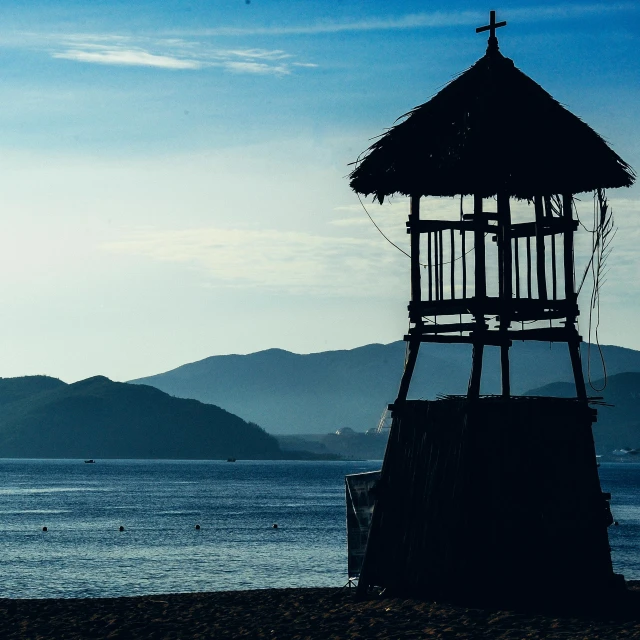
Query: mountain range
point(618, 425)
point(43, 417)
point(293, 394)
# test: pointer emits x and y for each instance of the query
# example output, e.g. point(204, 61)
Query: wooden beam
point(448, 327)
point(440, 339)
point(487, 215)
point(522, 308)
point(548, 227)
point(500, 338)
point(548, 334)
point(527, 315)
point(428, 226)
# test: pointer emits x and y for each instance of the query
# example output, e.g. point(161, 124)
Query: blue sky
point(172, 175)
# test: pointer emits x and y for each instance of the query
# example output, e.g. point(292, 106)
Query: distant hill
point(41, 417)
point(618, 426)
point(294, 394)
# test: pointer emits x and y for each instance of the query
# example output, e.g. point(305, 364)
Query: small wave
point(36, 511)
point(19, 492)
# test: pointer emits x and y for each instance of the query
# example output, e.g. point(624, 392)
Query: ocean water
point(83, 553)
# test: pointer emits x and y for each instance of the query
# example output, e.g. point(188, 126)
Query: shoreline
point(297, 614)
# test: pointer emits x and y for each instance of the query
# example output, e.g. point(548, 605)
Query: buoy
point(275, 526)
point(615, 523)
point(198, 527)
point(121, 528)
point(45, 529)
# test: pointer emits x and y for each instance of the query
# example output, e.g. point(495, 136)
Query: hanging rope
point(604, 231)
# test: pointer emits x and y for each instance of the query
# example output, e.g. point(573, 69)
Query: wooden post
point(478, 236)
point(569, 284)
point(529, 291)
point(517, 262)
point(430, 265)
point(576, 365)
point(480, 296)
point(414, 221)
point(540, 249)
point(476, 370)
point(453, 264)
point(436, 268)
point(505, 266)
point(409, 366)
point(573, 339)
point(441, 263)
point(416, 298)
point(554, 270)
point(464, 263)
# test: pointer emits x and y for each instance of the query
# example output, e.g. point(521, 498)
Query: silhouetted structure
point(476, 491)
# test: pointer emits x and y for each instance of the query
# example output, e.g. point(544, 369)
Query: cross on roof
point(491, 27)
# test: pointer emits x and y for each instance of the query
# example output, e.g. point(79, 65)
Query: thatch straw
point(490, 130)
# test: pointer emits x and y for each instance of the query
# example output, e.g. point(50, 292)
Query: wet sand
point(298, 614)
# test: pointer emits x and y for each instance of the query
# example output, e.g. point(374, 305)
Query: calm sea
point(83, 553)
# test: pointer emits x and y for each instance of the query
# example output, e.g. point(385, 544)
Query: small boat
point(231, 459)
point(90, 461)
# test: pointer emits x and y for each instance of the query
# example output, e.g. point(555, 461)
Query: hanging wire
point(400, 249)
point(380, 230)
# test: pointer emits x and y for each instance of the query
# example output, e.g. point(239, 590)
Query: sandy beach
point(299, 614)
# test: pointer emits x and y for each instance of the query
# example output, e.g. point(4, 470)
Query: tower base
point(493, 498)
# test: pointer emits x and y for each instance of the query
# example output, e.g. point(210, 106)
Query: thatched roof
point(490, 130)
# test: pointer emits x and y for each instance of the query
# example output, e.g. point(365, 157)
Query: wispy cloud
point(256, 67)
point(127, 57)
point(172, 53)
point(292, 262)
point(260, 54)
point(424, 20)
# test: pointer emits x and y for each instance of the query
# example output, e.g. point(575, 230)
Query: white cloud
point(171, 53)
point(292, 262)
point(128, 57)
point(256, 67)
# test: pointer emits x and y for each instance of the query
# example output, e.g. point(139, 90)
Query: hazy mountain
point(42, 417)
point(618, 426)
point(288, 393)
